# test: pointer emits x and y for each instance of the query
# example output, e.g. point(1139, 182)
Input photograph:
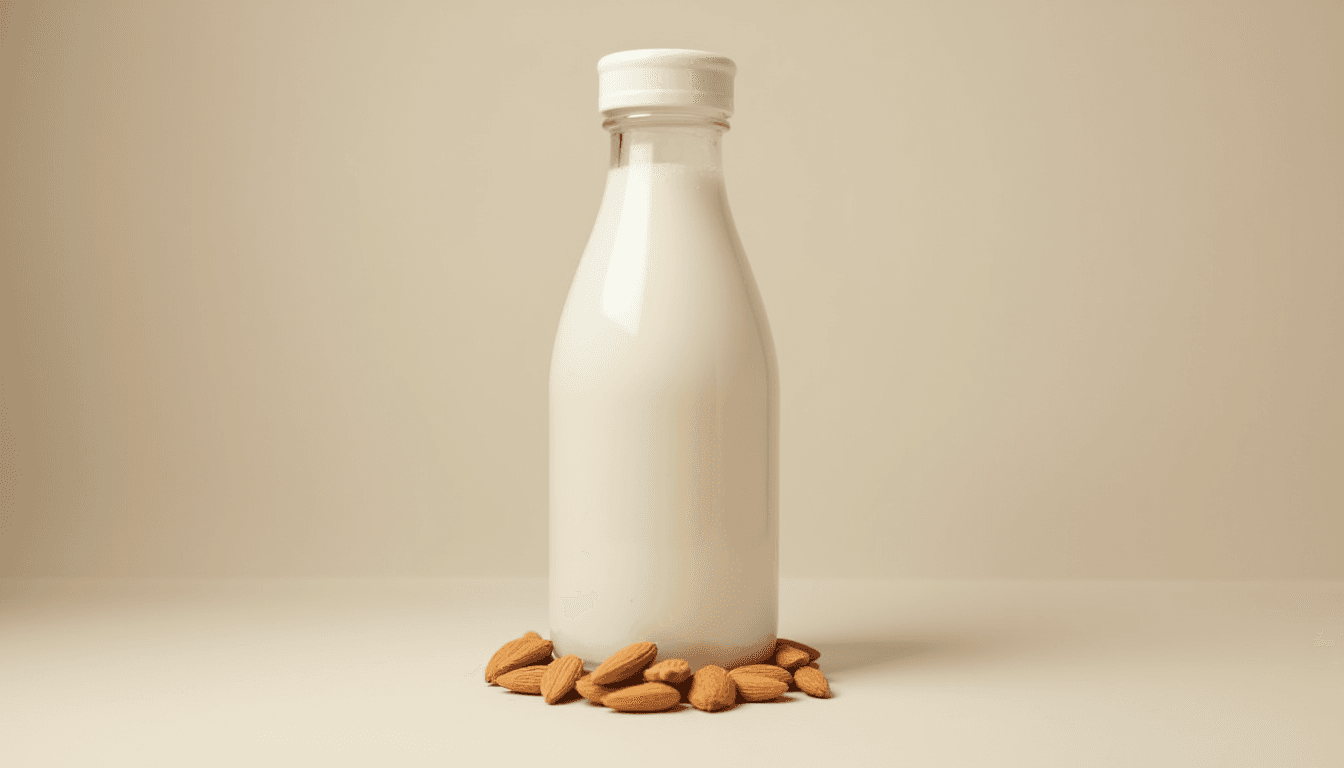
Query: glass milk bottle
point(664, 392)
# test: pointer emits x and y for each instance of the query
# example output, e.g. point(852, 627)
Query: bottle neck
point(690, 141)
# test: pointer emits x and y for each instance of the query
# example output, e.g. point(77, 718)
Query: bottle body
point(664, 418)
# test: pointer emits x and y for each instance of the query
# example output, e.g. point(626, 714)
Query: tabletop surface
point(924, 673)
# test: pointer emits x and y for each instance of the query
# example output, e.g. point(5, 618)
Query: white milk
point(664, 417)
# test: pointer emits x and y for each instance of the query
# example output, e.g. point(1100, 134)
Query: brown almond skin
point(645, 697)
point(525, 680)
point(712, 690)
point(790, 658)
point(811, 681)
point(492, 668)
point(764, 670)
point(626, 662)
point(671, 671)
point(560, 677)
point(759, 687)
point(527, 653)
point(592, 691)
point(812, 653)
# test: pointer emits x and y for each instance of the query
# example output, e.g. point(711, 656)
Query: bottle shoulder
point(668, 317)
point(664, 289)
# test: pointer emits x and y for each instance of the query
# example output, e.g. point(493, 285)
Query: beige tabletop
point(925, 673)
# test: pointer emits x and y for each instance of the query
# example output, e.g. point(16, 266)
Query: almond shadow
point(675, 708)
point(782, 699)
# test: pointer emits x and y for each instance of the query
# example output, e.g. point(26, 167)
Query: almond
point(812, 653)
point(668, 671)
point(764, 670)
point(523, 652)
point(789, 657)
point(560, 677)
point(759, 687)
point(492, 668)
point(590, 690)
point(626, 662)
point(594, 692)
point(712, 689)
point(646, 697)
point(812, 682)
point(525, 680)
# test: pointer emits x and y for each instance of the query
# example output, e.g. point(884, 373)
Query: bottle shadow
point(852, 655)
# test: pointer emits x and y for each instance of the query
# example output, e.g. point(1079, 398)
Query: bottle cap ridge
point(666, 77)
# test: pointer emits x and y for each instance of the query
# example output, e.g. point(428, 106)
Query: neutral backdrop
point(1057, 288)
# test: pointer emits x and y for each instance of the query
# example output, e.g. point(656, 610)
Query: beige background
point(1057, 288)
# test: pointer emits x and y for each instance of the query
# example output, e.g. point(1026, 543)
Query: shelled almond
point(790, 657)
point(626, 662)
point(645, 697)
point(766, 670)
point(560, 677)
point(525, 651)
point(668, 671)
point(759, 687)
point(594, 692)
point(630, 681)
point(811, 681)
point(712, 689)
point(812, 653)
point(525, 680)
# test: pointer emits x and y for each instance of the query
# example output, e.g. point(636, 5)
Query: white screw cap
point(666, 77)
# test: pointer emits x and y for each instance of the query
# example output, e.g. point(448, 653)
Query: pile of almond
point(628, 681)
